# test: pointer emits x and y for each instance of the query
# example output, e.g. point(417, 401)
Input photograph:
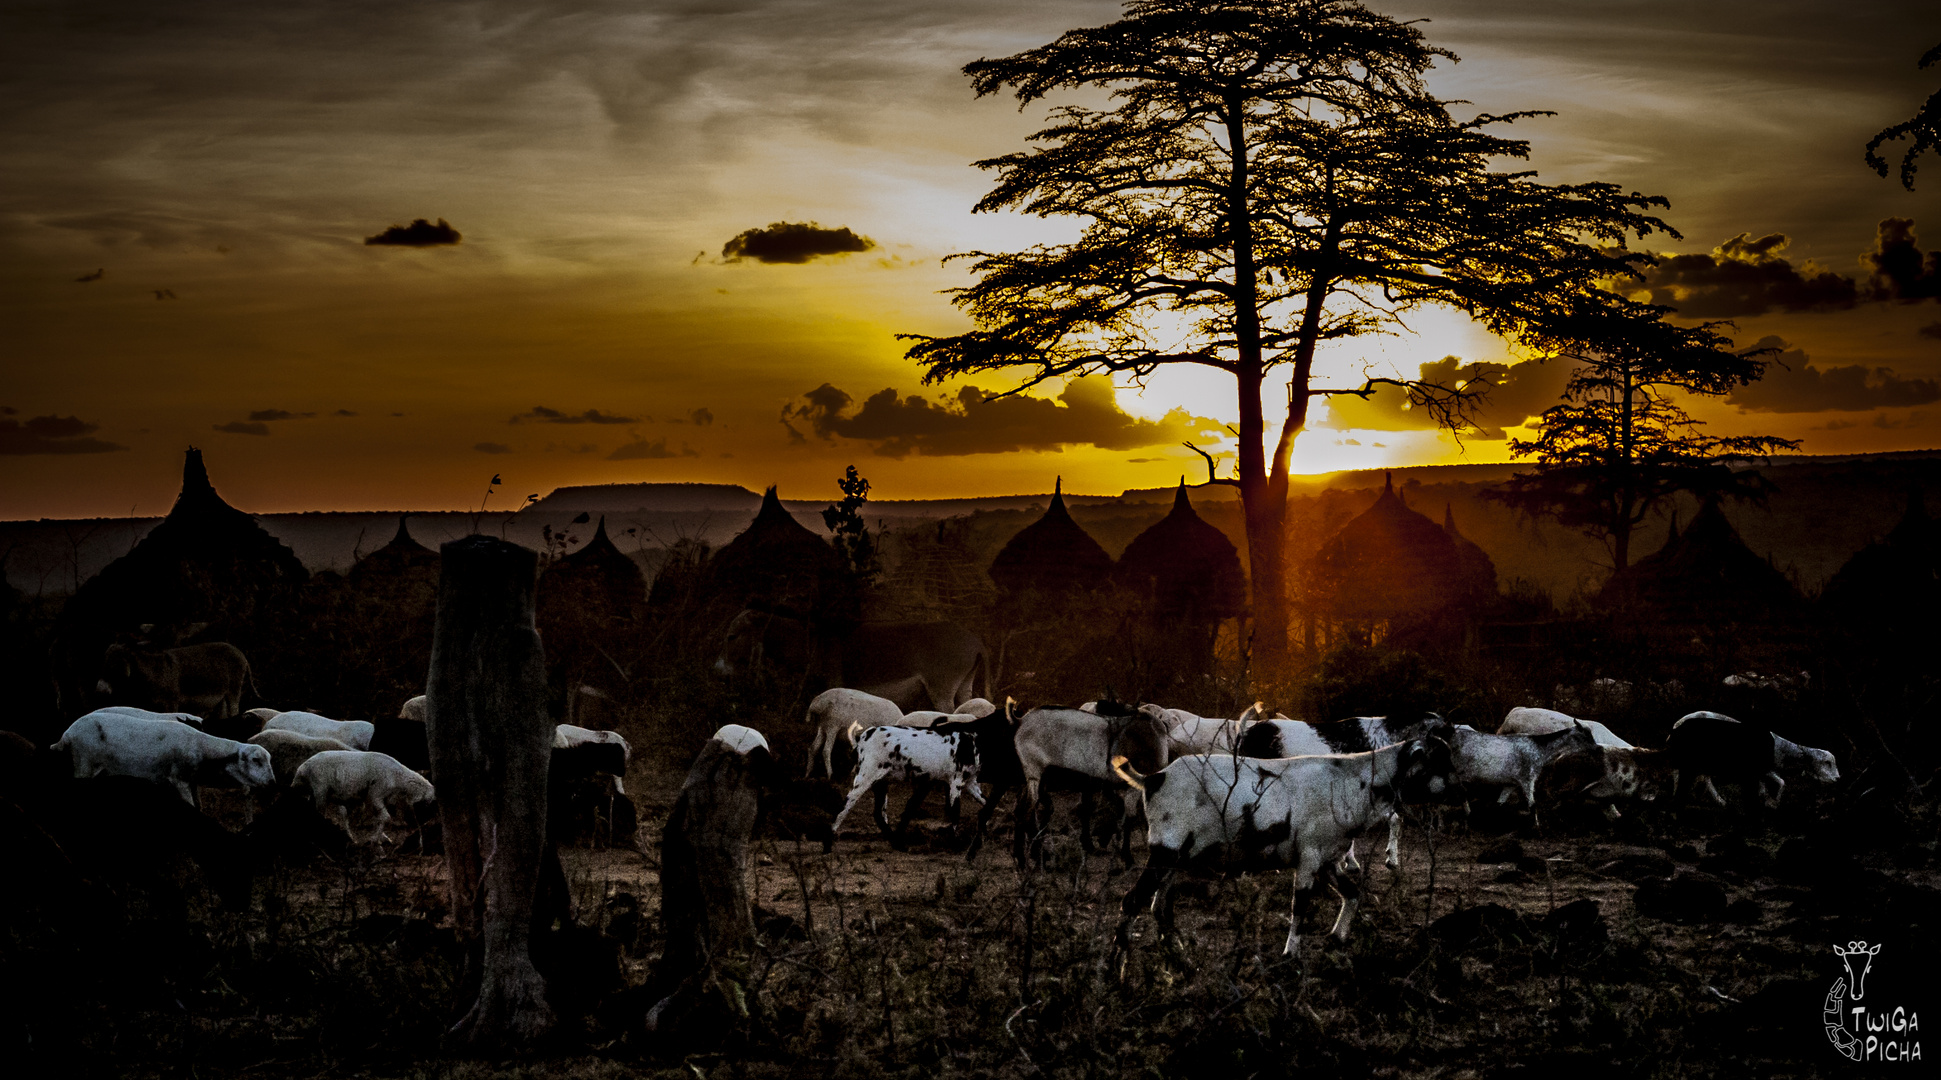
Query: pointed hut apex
point(1449, 519)
point(600, 531)
point(1057, 507)
point(195, 475)
point(771, 505)
point(403, 535)
point(1180, 500)
point(1388, 483)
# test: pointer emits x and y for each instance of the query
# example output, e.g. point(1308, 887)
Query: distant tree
point(1619, 445)
point(1924, 129)
point(1274, 175)
point(845, 520)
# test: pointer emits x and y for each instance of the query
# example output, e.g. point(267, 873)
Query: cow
point(207, 680)
point(918, 665)
point(161, 750)
point(1222, 813)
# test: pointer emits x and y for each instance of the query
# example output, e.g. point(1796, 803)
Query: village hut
point(206, 563)
point(1704, 576)
point(402, 571)
point(1392, 569)
point(1052, 555)
point(1184, 568)
point(777, 564)
point(590, 606)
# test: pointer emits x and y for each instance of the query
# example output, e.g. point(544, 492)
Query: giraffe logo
point(1859, 1031)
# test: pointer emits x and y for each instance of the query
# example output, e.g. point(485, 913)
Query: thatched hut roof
point(598, 574)
point(1706, 574)
point(403, 557)
point(775, 562)
point(1476, 571)
point(1390, 562)
point(206, 562)
point(1052, 554)
point(1189, 568)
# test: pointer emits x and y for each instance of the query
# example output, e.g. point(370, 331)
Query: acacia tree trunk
point(705, 903)
point(490, 741)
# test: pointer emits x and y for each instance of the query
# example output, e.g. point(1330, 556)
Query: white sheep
point(153, 746)
point(839, 714)
point(340, 779)
point(290, 749)
point(356, 734)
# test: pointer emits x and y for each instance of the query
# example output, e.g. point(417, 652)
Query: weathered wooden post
point(705, 904)
point(490, 740)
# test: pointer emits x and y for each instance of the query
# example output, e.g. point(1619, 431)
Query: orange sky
point(597, 156)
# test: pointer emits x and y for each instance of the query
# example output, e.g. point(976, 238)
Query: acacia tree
point(1273, 175)
point(1923, 129)
point(1620, 445)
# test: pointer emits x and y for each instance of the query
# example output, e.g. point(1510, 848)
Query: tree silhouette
point(1924, 129)
point(1619, 445)
point(1274, 175)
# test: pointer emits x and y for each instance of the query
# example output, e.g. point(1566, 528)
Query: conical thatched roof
point(1189, 568)
point(1706, 574)
point(1390, 562)
point(598, 573)
point(206, 562)
point(403, 557)
point(1476, 574)
point(775, 562)
point(1052, 554)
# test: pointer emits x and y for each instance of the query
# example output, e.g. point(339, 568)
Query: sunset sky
point(187, 189)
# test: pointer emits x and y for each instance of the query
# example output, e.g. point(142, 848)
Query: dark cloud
point(1932, 330)
point(703, 417)
point(51, 435)
point(96, 276)
point(1793, 385)
point(1835, 425)
point(279, 414)
point(1517, 392)
point(1900, 271)
point(1913, 419)
point(642, 450)
point(1747, 276)
point(492, 448)
point(1086, 412)
point(344, 412)
point(540, 414)
point(793, 242)
point(242, 427)
point(419, 233)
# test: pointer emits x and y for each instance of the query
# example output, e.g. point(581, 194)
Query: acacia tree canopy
point(1619, 445)
point(1271, 175)
point(1923, 129)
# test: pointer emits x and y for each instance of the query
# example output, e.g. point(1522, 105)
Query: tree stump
point(490, 739)
point(705, 904)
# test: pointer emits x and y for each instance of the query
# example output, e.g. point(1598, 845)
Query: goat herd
point(1252, 793)
point(1260, 793)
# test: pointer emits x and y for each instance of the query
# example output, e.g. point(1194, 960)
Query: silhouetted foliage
point(1619, 445)
point(845, 520)
point(1923, 129)
point(1274, 175)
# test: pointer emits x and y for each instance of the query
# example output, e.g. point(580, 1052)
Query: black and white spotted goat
point(922, 757)
point(1221, 813)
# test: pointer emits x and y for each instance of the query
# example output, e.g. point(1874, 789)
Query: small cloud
point(1932, 330)
point(1351, 442)
point(1914, 419)
point(1515, 393)
point(642, 450)
point(96, 276)
point(1835, 425)
point(344, 412)
point(242, 427)
point(1792, 385)
point(279, 414)
point(419, 233)
point(793, 242)
point(702, 417)
point(51, 435)
point(163, 294)
point(725, 453)
point(492, 448)
point(397, 414)
point(1143, 460)
point(1747, 276)
point(542, 415)
point(1900, 270)
point(8, 410)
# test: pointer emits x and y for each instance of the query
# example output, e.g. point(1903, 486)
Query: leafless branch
point(1211, 477)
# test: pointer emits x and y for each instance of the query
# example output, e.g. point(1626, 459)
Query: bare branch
point(1211, 476)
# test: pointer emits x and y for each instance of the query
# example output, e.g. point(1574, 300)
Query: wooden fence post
point(490, 740)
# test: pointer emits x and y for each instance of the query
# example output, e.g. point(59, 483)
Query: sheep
point(290, 749)
point(1227, 813)
point(1525, 720)
point(355, 734)
point(838, 714)
point(1083, 744)
point(922, 757)
point(1707, 745)
point(339, 779)
point(568, 737)
point(1628, 772)
point(154, 747)
point(414, 709)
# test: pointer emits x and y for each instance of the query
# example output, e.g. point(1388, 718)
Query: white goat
point(919, 756)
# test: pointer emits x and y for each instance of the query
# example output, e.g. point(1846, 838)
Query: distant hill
point(667, 498)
